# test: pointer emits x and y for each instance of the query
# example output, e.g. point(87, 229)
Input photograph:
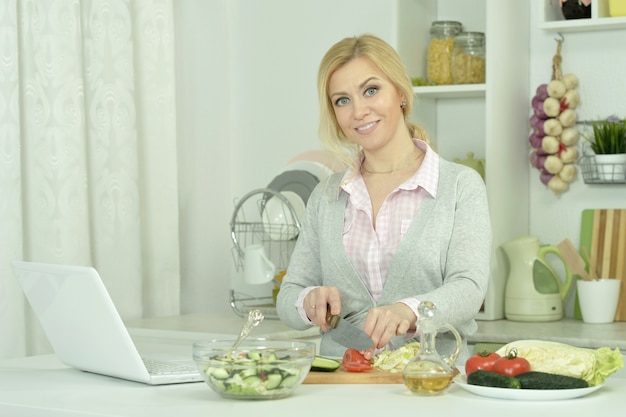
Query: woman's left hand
point(385, 322)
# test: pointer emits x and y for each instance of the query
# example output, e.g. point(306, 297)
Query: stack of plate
point(296, 183)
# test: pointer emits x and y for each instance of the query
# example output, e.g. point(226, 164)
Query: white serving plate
point(524, 394)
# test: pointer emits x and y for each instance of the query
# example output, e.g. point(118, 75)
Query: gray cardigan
point(444, 257)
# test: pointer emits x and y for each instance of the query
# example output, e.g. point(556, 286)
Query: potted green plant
point(608, 143)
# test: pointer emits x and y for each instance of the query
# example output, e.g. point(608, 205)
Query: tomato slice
point(354, 361)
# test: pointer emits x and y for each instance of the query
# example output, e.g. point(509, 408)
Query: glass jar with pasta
point(468, 58)
point(440, 48)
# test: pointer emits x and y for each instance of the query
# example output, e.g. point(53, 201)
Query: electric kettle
point(477, 164)
point(534, 291)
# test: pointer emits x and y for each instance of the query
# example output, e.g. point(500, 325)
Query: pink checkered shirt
point(371, 250)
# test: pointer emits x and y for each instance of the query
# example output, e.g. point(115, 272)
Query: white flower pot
point(611, 167)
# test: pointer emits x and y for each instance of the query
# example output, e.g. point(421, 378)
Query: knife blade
point(347, 334)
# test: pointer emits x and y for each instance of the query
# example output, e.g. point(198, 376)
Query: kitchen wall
point(247, 103)
point(598, 59)
point(203, 98)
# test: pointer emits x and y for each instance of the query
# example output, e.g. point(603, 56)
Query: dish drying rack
point(249, 226)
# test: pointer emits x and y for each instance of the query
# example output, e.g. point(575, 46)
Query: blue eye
point(370, 91)
point(342, 101)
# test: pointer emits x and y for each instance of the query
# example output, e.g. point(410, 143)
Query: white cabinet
point(488, 119)
point(551, 18)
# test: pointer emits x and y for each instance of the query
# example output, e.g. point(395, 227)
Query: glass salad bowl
point(258, 369)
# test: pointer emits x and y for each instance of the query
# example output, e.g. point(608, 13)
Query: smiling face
point(367, 104)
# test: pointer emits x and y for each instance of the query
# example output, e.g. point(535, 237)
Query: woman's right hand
point(319, 302)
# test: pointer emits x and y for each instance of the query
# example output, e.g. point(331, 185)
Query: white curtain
point(88, 170)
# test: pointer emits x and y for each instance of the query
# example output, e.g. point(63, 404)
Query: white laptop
point(85, 329)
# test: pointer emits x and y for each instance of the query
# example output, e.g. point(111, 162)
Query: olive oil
point(429, 373)
point(429, 384)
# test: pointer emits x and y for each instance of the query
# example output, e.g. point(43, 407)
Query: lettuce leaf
point(592, 365)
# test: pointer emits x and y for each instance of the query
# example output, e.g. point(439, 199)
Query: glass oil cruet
point(429, 373)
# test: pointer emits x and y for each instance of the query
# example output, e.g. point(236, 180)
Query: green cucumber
point(492, 379)
point(322, 364)
point(543, 380)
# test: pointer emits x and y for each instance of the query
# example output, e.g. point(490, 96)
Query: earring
point(403, 104)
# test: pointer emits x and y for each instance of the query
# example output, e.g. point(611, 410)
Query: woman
point(399, 226)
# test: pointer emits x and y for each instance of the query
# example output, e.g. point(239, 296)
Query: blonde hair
point(385, 57)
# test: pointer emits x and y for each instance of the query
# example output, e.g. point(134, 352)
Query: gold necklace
point(393, 170)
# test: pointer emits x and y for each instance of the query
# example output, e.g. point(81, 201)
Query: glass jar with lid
point(440, 49)
point(468, 58)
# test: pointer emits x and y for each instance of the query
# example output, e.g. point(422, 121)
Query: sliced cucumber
point(218, 373)
point(271, 357)
point(248, 372)
point(255, 374)
point(289, 381)
point(322, 364)
point(290, 371)
point(220, 385)
point(273, 381)
point(252, 380)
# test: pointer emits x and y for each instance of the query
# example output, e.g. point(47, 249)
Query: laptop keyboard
point(157, 367)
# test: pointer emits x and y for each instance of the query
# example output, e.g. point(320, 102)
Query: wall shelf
point(451, 91)
point(551, 19)
point(585, 25)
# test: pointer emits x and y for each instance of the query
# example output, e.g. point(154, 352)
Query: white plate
point(298, 181)
point(324, 157)
point(320, 171)
point(524, 394)
point(278, 219)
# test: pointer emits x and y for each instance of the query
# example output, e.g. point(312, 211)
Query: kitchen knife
point(347, 334)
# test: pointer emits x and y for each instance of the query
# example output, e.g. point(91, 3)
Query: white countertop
point(570, 331)
point(42, 386)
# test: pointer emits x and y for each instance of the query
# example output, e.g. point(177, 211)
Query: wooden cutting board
point(341, 376)
point(603, 235)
